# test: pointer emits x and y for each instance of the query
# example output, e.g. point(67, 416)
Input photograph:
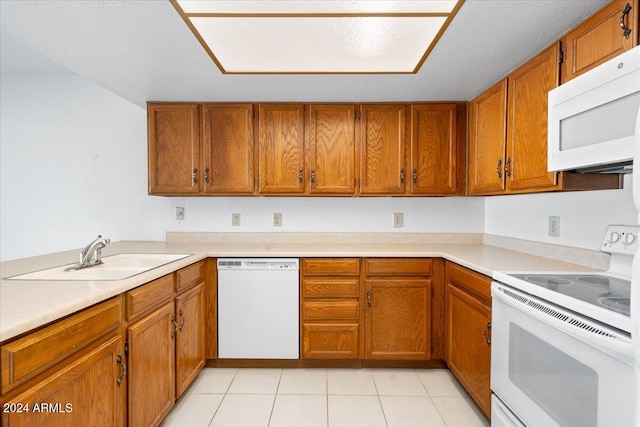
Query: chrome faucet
point(92, 250)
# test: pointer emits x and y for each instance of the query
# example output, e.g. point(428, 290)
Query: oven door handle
point(565, 321)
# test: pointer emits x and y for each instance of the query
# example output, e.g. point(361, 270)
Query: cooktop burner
point(604, 291)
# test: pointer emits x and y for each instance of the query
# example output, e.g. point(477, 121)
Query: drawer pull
point(124, 370)
point(626, 31)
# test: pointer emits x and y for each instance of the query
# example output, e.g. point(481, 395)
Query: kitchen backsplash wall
point(73, 165)
point(584, 216)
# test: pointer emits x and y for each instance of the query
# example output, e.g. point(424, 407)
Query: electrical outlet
point(554, 226)
point(235, 219)
point(277, 220)
point(179, 214)
point(398, 220)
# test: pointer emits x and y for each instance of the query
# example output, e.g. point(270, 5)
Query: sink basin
point(114, 267)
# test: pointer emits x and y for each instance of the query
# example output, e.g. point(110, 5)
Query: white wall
point(584, 216)
point(73, 165)
point(350, 214)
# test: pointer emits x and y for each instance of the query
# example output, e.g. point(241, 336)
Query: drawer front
point(398, 266)
point(469, 280)
point(330, 287)
point(189, 276)
point(331, 266)
point(330, 340)
point(32, 354)
point(331, 310)
point(147, 297)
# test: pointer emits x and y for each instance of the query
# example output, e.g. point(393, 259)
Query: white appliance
point(561, 348)
point(592, 118)
point(258, 305)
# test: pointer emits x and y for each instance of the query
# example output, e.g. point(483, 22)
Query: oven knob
point(614, 236)
point(629, 239)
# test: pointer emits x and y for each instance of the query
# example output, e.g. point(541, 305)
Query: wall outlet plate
point(398, 220)
point(179, 214)
point(554, 226)
point(277, 220)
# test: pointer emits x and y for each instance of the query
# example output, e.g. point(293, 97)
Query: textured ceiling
point(143, 51)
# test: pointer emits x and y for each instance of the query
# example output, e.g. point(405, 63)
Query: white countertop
point(25, 305)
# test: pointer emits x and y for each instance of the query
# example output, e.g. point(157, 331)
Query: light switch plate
point(554, 226)
point(398, 220)
point(235, 219)
point(179, 214)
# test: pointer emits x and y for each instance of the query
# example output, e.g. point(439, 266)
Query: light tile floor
point(325, 398)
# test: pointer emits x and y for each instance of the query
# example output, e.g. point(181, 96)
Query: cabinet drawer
point(398, 266)
point(189, 276)
point(469, 280)
point(330, 287)
point(147, 297)
point(331, 266)
point(26, 357)
point(331, 310)
point(330, 340)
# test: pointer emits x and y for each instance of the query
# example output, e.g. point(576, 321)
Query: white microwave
point(592, 118)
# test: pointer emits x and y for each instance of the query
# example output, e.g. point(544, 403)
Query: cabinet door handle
point(402, 176)
point(206, 175)
point(486, 330)
point(182, 319)
point(194, 176)
point(369, 298)
point(313, 176)
point(415, 176)
point(626, 31)
point(174, 328)
point(507, 168)
point(123, 368)
point(499, 168)
point(300, 177)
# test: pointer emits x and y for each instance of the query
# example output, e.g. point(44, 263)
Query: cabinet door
point(281, 148)
point(433, 149)
point(86, 392)
point(526, 164)
point(228, 148)
point(397, 318)
point(382, 149)
point(332, 152)
point(174, 149)
point(190, 343)
point(600, 38)
point(487, 140)
point(152, 367)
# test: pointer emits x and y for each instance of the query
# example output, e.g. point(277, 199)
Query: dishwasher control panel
point(258, 264)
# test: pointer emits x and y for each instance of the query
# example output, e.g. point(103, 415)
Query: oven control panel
point(621, 239)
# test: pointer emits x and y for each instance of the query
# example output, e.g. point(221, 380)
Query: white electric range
point(562, 353)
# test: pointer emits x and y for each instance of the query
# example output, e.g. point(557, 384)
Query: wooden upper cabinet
point(174, 148)
point(228, 148)
point(487, 140)
point(332, 149)
point(382, 149)
point(600, 38)
point(528, 87)
point(281, 148)
point(433, 149)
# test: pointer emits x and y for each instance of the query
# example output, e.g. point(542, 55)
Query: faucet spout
point(92, 250)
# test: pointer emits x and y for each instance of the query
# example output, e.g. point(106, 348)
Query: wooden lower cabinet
point(86, 392)
point(190, 338)
point(152, 367)
point(397, 308)
point(468, 331)
point(330, 308)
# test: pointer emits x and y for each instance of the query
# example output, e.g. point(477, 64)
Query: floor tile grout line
point(224, 396)
point(275, 397)
point(384, 415)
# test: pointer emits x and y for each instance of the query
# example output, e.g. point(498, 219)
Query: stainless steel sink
point(114, 267)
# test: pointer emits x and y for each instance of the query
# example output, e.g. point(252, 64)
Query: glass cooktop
point(603, 291)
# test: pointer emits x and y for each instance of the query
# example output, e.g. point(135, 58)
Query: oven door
point(554, 368)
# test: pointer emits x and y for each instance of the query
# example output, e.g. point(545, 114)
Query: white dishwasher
point(258, 305)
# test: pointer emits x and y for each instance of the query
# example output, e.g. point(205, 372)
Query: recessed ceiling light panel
point(286, 37)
